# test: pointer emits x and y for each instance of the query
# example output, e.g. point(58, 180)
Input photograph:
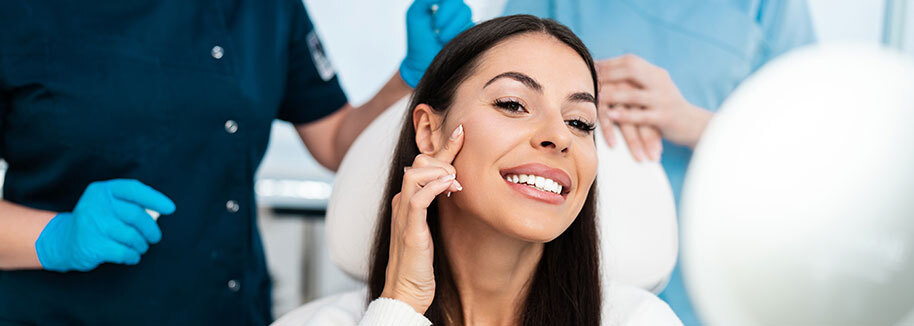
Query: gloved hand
point(429, 25)
point(108, 225)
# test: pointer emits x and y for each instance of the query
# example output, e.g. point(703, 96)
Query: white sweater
point(622, 306)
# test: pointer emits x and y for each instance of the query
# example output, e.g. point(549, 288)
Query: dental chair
point(636, 211)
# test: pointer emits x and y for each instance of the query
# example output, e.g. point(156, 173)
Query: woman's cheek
point(588, 164)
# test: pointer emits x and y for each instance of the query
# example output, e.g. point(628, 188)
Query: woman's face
point(528, 158)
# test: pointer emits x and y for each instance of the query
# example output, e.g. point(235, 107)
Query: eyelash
point(512, 106)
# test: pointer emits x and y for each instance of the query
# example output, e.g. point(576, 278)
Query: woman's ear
point(427, 124)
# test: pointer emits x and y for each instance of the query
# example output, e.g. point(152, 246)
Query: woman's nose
point(553, 136)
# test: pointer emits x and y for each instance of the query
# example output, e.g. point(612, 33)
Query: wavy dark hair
point(565, 289)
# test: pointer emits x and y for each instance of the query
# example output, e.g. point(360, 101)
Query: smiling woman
point(489, 212)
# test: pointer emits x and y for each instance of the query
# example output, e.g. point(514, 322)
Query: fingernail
point(405, 168)
point(639, 155)
point(457, 183)
point(447, 177)
point(448, 194)
point(457, 132)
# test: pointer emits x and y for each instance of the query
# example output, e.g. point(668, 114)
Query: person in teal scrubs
point(110, 110)
point(666, 66)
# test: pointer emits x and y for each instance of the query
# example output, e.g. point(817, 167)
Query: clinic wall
point(847, 20)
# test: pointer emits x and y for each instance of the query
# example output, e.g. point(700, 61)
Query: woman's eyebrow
point(527, 80)
point(582, 97)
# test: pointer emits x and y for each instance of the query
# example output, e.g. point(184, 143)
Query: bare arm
point(20, 227)
point(328, 139)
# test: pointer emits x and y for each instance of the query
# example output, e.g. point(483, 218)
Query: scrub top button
point(232, 206)
point(234, 285)
point(231, 126)
point(217, 52)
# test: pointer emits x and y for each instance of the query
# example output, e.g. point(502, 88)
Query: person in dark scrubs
point(113, 112)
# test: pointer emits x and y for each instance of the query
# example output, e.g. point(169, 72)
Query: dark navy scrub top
point(179, 94)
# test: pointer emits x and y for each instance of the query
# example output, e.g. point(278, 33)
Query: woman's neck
point(491, 270)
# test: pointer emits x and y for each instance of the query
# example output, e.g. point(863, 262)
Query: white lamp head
point(798, 206)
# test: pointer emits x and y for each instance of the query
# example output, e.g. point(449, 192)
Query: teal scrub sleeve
point(786, 24)
point(312, 89)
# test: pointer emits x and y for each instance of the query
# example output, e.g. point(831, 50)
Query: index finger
point(628, 68)
point(142, 195)
point(452, 146)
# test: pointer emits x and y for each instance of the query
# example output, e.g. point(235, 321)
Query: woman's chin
point(534, 230)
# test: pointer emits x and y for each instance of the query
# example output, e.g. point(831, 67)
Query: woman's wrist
point(687, 127)
point(697, 124)
point(410, 300)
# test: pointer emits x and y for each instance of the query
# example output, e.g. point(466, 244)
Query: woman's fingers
point(452, 146)
point(606, 126)
point(410, 275)
point(427, 168)
point(417, 177)
point(419, 202)
point(649, 117)
point(423, 160)
point(410, 272)
point(633, 140)
point(653, 144)
point(627, 68)
point(623, 93)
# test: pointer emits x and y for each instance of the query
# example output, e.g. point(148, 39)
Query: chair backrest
point(637, 215)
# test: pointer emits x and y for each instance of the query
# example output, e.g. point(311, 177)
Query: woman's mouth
point(535, 181)
point(539, 182)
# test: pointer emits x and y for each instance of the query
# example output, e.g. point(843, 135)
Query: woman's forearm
point(20, 227)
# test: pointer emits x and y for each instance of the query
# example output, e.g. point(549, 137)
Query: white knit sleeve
point(625, 305)
point(390, 312)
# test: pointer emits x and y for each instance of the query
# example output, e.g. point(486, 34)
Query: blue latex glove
point(429, 25)
point(108, 225)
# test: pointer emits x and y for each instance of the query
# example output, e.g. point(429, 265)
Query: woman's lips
point(540, 170)
point(544, 196)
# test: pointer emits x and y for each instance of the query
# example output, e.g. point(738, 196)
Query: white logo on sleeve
point(324, 68)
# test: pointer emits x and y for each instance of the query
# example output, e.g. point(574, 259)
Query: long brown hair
point(565, 289)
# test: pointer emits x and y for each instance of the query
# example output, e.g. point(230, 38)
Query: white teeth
point(539, 182)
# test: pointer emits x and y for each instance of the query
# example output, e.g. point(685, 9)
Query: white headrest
point(637, 214)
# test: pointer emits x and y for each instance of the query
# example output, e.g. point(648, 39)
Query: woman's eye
point(580, 125)
point(510, 105)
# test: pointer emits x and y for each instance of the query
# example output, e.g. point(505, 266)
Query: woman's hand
point(410, 276)
point(635, 92)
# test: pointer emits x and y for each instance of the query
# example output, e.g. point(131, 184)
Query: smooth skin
point(494, 234)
